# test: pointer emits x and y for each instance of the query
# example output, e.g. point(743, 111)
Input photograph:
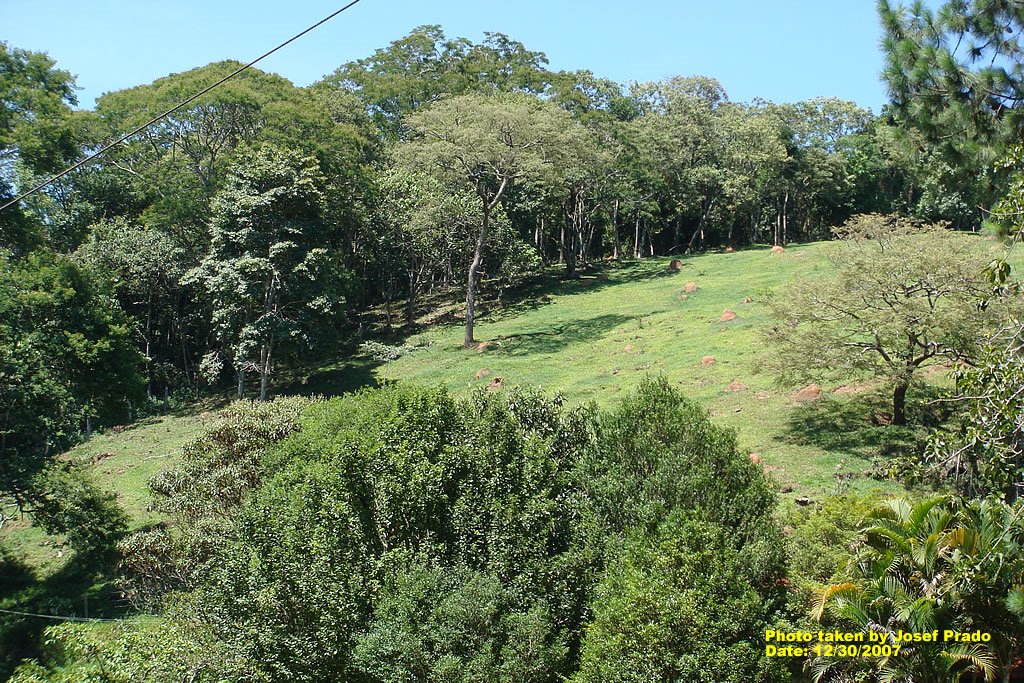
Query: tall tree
point(270, 272)
point(484, 143)
point(956, 72)
point(902, 297)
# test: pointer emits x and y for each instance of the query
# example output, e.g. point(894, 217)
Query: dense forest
point(403, 533)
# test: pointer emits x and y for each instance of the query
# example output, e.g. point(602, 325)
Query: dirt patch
point(763, 395)
point(850, 389)
point(675, 266)
point(777, 249)
point(707, 360)
point(628, 348)
point(727, 315)
point(812, 392)
point(736, 385)
point(690, 287)
point(481, 373)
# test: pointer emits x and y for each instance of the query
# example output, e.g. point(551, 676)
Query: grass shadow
point(556, 337)
point(352, 374)
point(855, 425)
point(83, 588)
point(542, 289)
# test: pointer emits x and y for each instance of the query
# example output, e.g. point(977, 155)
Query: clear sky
point(784, 51)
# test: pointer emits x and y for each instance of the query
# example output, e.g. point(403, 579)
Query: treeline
point(255, 227)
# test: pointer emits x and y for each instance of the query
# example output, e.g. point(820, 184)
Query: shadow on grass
point(542, 289)
point(853, 425)
point(83, 587)
point(333, 380)
point(556, 337)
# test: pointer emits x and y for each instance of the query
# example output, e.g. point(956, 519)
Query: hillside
point(589, 339)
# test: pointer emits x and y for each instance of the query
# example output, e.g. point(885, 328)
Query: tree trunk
point(636, 236)
point(899, 403)
point(264, 370)
point(241, 383)
point(474, 269)
point(615, 230)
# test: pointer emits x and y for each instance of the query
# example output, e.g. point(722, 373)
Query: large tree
point(270, 272)
point(901, 297)
point(956, 73)
point(484, 143)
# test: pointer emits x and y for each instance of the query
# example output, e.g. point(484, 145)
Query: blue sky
point(782, 51)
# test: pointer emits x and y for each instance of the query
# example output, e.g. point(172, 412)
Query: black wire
point(175, 108)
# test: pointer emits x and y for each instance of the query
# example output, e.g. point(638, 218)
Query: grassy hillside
point(596, 337)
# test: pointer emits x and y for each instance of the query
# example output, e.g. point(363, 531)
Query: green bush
point(402, 534)
point(684, 603)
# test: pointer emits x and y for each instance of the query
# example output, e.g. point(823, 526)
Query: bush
point(403, 534)
point(683, 603)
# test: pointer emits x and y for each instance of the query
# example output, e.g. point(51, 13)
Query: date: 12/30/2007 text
point(858, 643)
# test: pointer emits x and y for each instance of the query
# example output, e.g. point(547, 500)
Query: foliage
point(956, 72)
point(64, 500)
point(385, 353)
point(65, 357)
point(486, 518)
point(483, 144)
point(902, 297)
point(935, 565)
point(152, 651)
point(682, 603)
point(426, 66)
point(269, 272)
point(982, 453)
point(440, 624)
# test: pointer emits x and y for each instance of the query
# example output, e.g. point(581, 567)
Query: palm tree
point(914, 574)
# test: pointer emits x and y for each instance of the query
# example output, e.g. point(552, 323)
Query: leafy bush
point(407, 535)
point(64, 500)
point(683, 603)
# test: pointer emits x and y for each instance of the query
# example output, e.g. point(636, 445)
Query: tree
point(902, 297)
point(425, 231)
point(484, 144)
point(956, 73)
point(269, 271)
point(683, 603)
point(982, 451)
point(426, 66)
point(36, 132)
point(66, 359)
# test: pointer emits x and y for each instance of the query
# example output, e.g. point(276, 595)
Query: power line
point(175, 108)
